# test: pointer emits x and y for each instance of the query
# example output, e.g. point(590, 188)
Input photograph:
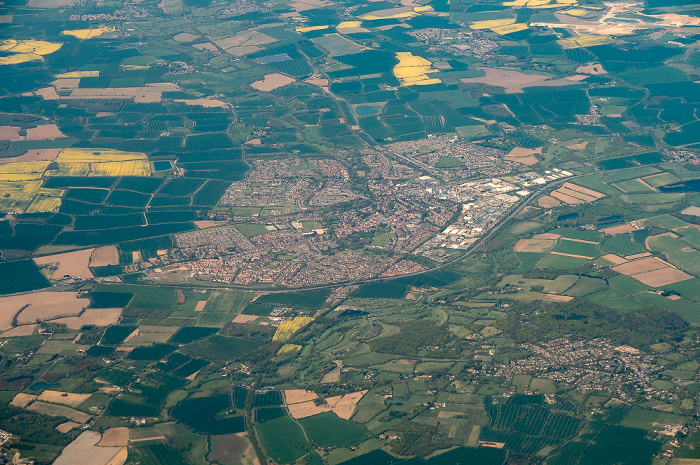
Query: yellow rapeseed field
point(18, 196)
point(78, 74)
point(70, 169)
point(123, 168)
point(26, 50)
point(287, 329)
point(311, 28)
point(100, 162)
point(413, 70)
point(44, 204)
point(23, 171)
point(509, 28)
point(490, 23)
point(288, 349)
point(586, 40)
point(84, 34)
point(372, 17)
point(349, 24)
point(97, 155)
point(576, 12)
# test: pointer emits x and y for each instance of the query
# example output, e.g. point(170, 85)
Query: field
point(66, 398)
point(84, 451)
point(515, 81)
point(272, 82)
point(59, 411)
point(283, 439)
point(221, 348)
point(41, 306)
point(287, 329)
point(21, 276)
point(327, 430)
point(203, 414)
point(74, 264)
point(413, 70)
point(155, 452)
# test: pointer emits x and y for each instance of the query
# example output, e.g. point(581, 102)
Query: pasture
point(283, 439)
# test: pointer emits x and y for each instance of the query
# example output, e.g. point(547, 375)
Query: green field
point(561, 262)
point(678, 252)
point(21, 276)
point(250, 230)
point(221, 348)
point(155, 453)
point(327, 430)
point(577, 248)
point(623, 245)
point(283, 439)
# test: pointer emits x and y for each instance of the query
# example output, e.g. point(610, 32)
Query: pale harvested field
point(84, 451)
point(204, 224)
point(272, 82)
point(332, 376)
point(206, 46)
point(523, 155)
point(535, 245)
point(661, 277)
point(200, 305)
point(45, 132)
point(546, 236)
point(578, 240)
point(105, 256)
point(591, 69)
point(148, 335)
point(344, 406)
point(249, 38)
point(638, 255)
point(304, 5)
point(115, 437)
point(146, 94)
point(92, 316)
point(41, 305)
point(245, 318)
point(557, 298)
point(22, 400)
point(59, 411)
point(317, 82)
point(694, 211)
point(514, 81)
point(306, 409)
point(65, 398)
point(615, 230)
point(185, 37)
point(10, 133)
point(575, 194)
point(557, 194)
point(548, 202)
point(67, 426)
point(583, 190)
point(74, 264)
point(641, 266)
point(579, 146)
point(33, 155)
point(571, 255)
point(294, 396)
point(204, 102)
point(614, 259)
point(66, 83)
point(24, 330)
